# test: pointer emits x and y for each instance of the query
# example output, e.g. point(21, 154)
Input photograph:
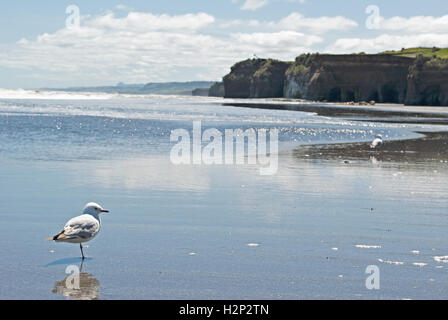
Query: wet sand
point(380, 113)
point(431, 147)
point(308, 232)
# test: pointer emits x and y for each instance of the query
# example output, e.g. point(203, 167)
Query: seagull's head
point(94, 209)
point(379, 136)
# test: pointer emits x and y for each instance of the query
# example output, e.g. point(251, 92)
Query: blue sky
point(143, 41)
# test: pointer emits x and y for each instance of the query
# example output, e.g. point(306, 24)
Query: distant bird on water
point(377, 142)
point(82, 228)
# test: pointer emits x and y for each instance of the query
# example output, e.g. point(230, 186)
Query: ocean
point(310, 230)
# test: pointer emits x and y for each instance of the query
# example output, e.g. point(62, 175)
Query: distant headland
point(167, 88)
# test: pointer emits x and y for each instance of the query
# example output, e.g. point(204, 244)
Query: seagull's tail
point(56, 237)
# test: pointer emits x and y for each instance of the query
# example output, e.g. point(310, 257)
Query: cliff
point(216, 90)
point(345, 78)
point(256, 78)
point(384, 78)
point(428, 82)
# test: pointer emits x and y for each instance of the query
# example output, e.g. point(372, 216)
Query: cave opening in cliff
point(374, 96)
point(390, 94)
point(335, 95)
point(432, 96)
point(349, 96)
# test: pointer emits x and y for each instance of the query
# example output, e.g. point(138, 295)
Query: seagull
point(377, 142)
point(82, 228)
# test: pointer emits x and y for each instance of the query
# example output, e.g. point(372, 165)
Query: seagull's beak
point(105, 211)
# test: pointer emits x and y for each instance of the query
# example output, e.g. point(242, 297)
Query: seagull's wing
point(83, 227)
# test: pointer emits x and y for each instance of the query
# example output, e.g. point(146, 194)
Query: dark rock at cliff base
point(256, 78)
point(428, 82)
point(345, 78)
point(216, 90)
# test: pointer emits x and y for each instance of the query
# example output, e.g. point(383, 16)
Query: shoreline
point(383, 113)
point(431, 147)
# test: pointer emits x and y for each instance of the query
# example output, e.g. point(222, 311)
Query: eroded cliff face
point(382, 78)
point(345, 78)
point(268, 81)
point(428, 83)
point(256, 78)
point(237, 82)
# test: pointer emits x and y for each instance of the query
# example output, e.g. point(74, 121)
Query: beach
point(334, 207)
point(386, 113)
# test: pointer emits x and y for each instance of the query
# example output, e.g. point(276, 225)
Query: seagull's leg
point(80, 245)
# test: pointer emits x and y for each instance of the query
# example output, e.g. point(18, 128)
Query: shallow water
point(206, 232)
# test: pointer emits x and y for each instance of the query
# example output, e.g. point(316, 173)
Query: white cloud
point(142, 47)
point(146, 21)
point(139, 51)
point(417, 24)
point(296, 21)
point(284, 45)
point(254, 4)
point(276, 39)
point(240, 23)
point(388, 42)
point(417, 31)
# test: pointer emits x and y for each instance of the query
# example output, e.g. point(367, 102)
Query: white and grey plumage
point(377, 142)
point(82, 228)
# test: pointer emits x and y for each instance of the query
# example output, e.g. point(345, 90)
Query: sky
point(58, 43)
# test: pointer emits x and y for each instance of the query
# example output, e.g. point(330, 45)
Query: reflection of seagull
point(377, 142)
point(82, 228)
point(89, 287)
point(374, 160)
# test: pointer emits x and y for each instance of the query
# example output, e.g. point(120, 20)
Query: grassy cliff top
point(426, 52)
point(271, 66)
